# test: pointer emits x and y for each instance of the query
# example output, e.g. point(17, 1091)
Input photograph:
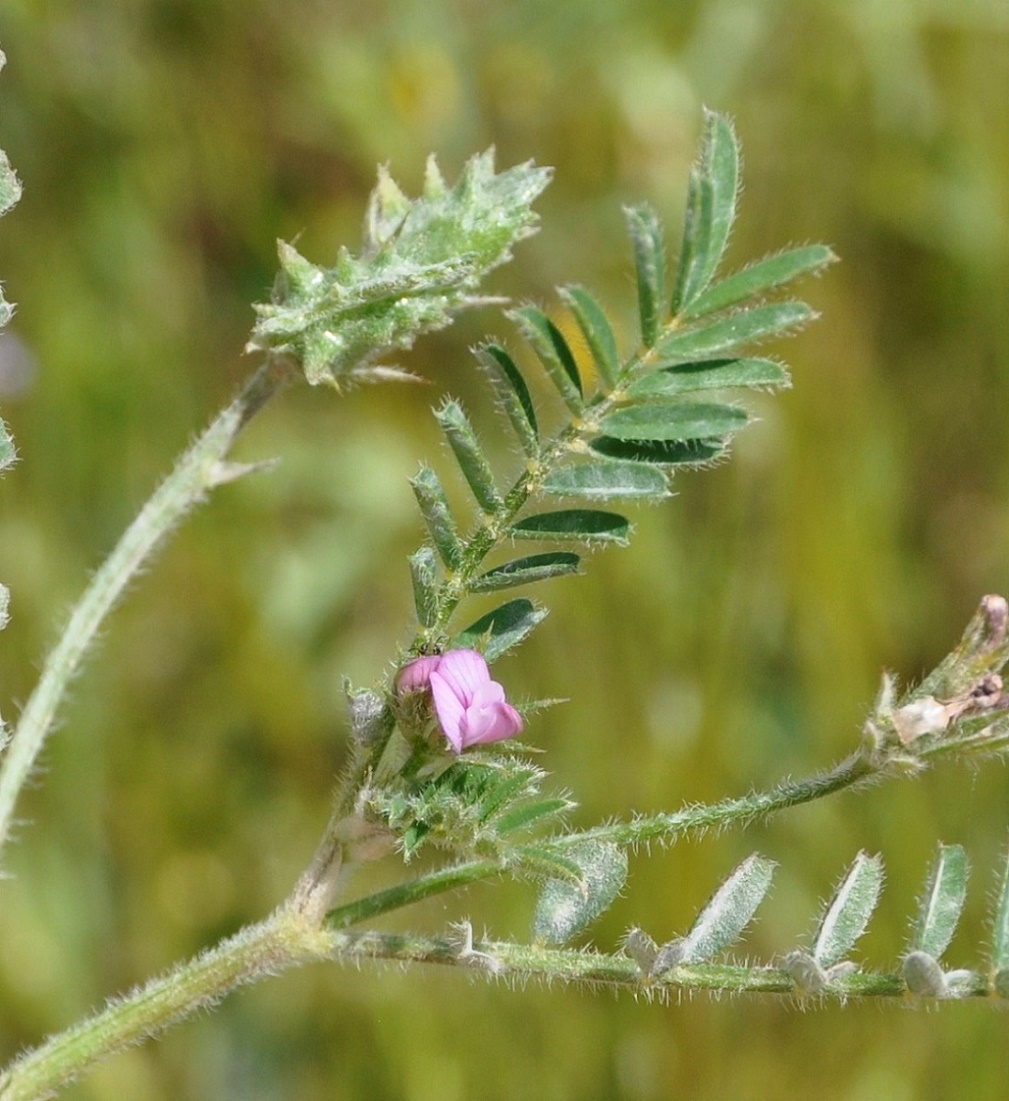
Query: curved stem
point(285, 940)
point(199, 470)
point(742, 810)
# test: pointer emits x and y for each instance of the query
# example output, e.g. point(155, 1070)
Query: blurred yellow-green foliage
point(164, 145)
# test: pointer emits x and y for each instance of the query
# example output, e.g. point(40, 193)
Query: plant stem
point(199, 470)
point(742, 810)
point(597, 970)
point(414, 890)
point(285, 940)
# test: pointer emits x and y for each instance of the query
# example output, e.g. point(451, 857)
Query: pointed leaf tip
point(729, 911)
point(711, 210)
point(849, 911)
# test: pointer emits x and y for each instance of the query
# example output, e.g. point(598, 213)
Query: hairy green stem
point(742, 810)
point(521, 962)
point(199, 470)
point(404, 894)
point(287, 939)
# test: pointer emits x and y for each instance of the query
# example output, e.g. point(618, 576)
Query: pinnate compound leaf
point(501, 629)
point(685, 453)
point(604, 480)
point(718, 338)
point(710, 374)
point(760, 277)
point(942, 902)
point(849, 910)
point(524, 571)
point(554, 353)
point(514, 394)
point(564, 908)
point(669, 420)
point(649, 241)
point(582, 525)
point(422, 262)
point(597, 331)
point(730, 910)
point(711, 210)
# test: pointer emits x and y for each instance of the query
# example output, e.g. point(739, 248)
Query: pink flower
point(471, 708)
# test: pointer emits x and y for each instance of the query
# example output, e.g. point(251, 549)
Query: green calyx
point(423, 260)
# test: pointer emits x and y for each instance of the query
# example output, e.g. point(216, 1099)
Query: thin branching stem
point(738, 811)
point(198, 471)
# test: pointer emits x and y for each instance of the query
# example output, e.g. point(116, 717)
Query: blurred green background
point(163, 147)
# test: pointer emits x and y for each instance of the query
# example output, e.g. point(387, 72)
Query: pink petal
point(415, 676)
point(464, 671)
point(450, 710)
point(490, 723)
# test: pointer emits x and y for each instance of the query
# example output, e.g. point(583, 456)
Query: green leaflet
point(596, 330)
point(758, 278)
point(433, 504)
point(514, 395)
point(849, 910)
point(564, 908)
point(522, 817)
point(685, 453)
point(469, 454)
point(603, 480)
point(502, 629)
point(524, 571)
point(711, 210)
point(711, 374)
point(1000, 928)
point(10, 186)
point(718, 338)
point(730, 910)
point(942, 902)
point(649, 244)
point(583, 525)
point(7, 452)
point(668, 420)
point(557, 358)
point(544, 862)
point(424, 574)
